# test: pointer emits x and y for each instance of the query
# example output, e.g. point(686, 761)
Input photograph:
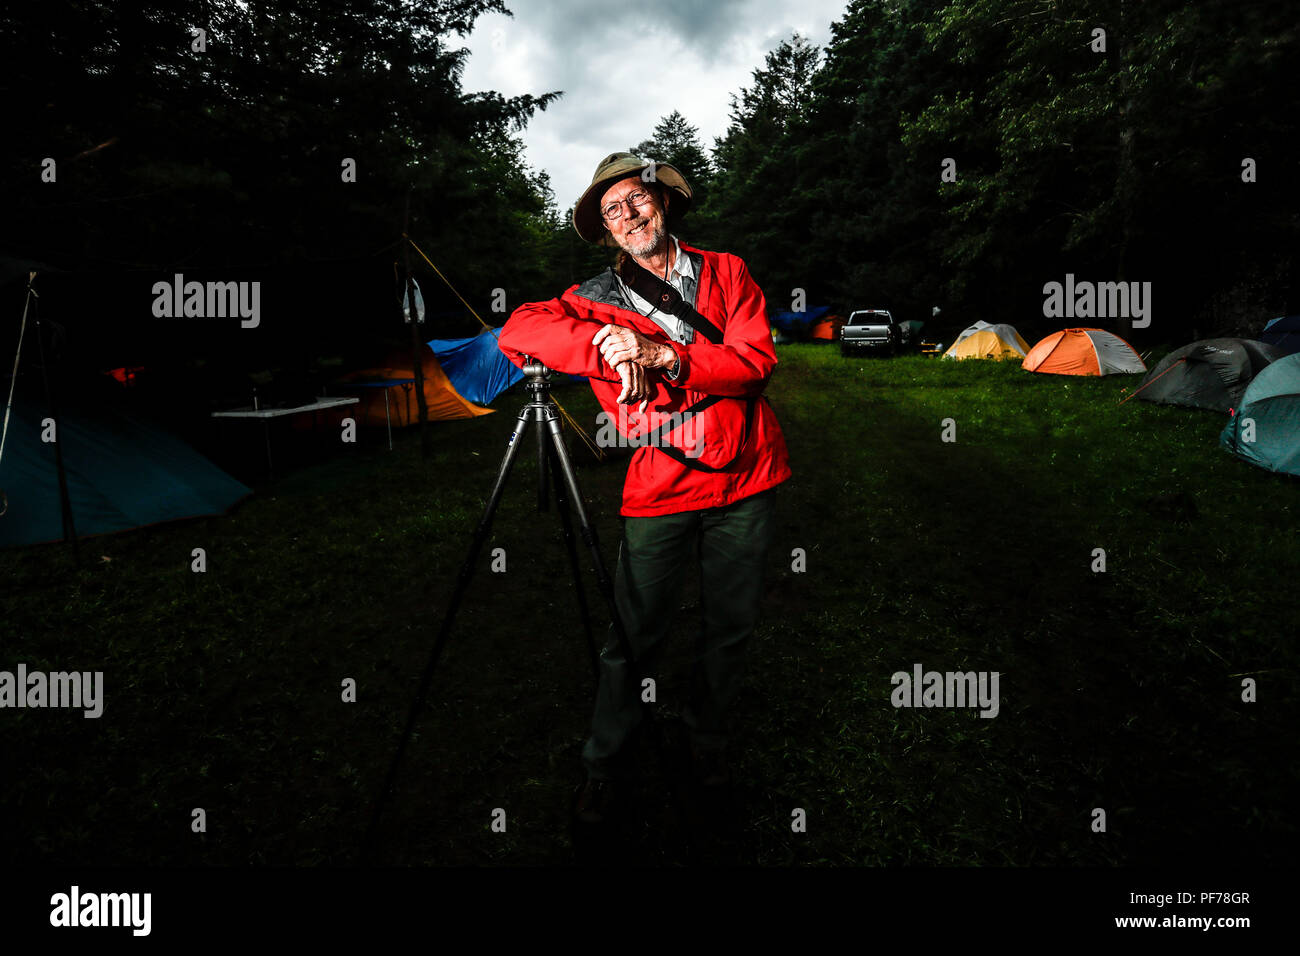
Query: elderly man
point(676, 344)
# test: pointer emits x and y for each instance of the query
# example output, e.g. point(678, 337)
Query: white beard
point(644, 242)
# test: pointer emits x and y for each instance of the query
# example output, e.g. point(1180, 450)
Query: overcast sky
point(624, 66)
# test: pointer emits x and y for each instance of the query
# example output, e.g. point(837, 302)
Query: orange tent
point(828, 329)
point(439, 394)
point(1083, 352)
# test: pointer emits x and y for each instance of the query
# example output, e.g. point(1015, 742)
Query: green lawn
point(1119, 690)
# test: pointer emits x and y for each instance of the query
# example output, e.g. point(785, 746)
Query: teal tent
point(1265, 430)
point(122, 470)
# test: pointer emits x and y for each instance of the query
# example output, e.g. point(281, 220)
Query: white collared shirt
point(675, 328)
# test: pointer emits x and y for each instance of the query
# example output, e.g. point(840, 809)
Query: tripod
point(553, 463)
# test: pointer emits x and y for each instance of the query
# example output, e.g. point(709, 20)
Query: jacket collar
point(603, 288)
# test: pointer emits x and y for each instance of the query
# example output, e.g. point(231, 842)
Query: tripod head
point(537, 379)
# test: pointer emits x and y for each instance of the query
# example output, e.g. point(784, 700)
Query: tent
point(1265, 430)
point(480, 371)
point(827, 329)
point(1283, 332)
point(122, 471)
point(394, 377)
point(1212, 373)
point(985, 341)
point(796, 325)
point(476, 367)
point(1083, 352)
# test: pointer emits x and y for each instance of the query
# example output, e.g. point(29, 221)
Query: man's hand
point(636, 387)
point(618, 344)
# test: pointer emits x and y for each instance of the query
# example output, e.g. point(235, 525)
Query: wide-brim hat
point(616, 166)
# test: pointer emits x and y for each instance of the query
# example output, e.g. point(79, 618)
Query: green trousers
point(653, 559)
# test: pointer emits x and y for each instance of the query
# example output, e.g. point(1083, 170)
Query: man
point(680, 363)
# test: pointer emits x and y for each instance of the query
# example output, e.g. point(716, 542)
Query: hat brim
point(586, 212)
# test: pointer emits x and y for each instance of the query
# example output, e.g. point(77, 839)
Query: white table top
point(250, 412)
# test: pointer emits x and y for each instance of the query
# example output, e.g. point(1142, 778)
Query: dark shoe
point(594, 802)
point(710, 768)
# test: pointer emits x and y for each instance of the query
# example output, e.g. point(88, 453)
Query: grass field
point(1120, 690)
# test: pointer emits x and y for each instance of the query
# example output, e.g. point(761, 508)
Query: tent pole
point(65, 500)
point(388, 420)
point(13, 383)
point(1157, 378)
point(417, 347)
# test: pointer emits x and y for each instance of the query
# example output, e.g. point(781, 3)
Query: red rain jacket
point(559, 333)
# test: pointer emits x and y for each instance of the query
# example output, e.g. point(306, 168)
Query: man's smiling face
point(640, 230)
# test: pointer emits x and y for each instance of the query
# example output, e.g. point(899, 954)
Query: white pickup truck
point(873, 330)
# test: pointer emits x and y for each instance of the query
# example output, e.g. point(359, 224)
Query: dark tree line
point(1114, 163)
point(1115, 156)
point(225, 150)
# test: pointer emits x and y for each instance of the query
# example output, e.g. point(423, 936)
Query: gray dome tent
point(1211, 373)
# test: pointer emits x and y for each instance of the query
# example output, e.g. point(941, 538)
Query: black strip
point(679, 456)
point(665, 298)
point(659, 433)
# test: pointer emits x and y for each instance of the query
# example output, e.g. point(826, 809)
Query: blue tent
point(122, 471)
point(1265, 430)
point(1283, 332)
point(798, 324)
point(477, 367)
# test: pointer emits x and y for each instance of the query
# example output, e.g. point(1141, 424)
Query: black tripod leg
point(462, 585)
point(543, 493)
point(570, 545)
point(653, 727)
point(589, 538)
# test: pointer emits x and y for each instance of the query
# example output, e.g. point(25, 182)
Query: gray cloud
point(622, 68)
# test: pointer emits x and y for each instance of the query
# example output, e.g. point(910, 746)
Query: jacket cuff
point(675, 369)
point(681, 368)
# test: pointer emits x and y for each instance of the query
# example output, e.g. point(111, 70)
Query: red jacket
point(559, 333)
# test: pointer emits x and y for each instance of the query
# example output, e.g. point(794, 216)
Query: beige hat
point(616, 166)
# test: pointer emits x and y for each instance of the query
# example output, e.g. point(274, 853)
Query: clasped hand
point(631, 355)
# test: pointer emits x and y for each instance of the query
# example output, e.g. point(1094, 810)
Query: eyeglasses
point(614, 211)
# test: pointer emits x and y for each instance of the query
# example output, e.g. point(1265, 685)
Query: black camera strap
point(657, 438)
point(665, 298)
